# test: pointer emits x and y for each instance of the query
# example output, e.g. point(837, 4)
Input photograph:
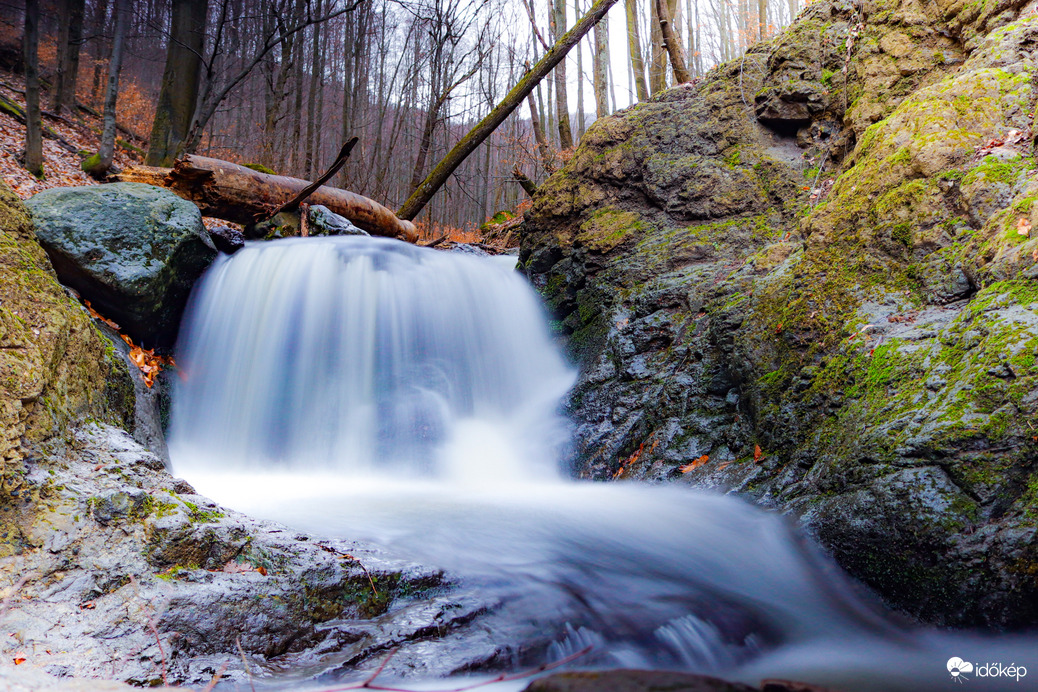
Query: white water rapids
point(365, 388)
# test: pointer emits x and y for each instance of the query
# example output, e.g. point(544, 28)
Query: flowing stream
point(368, 389)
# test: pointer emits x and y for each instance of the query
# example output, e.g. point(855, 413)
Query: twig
point(6, 603)
point(329, 549)
point(339, 162)
point(244, 663)
point(442, 239)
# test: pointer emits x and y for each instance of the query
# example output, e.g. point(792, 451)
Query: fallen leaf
point(723, 466)
point(87, 605)
point(691, 466)
point(757, 453)
point(19, 659)
point(1023, 227)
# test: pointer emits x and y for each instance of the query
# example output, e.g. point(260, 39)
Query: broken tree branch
point(339, 162)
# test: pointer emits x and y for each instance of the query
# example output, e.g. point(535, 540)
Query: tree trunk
point(673, 45)
point(762, 18)
point(558, 26)
point(107, 150)
point(601, 73)
point(634, 48)
point(180, 81)
point(100, 13)
point(547, 160)
point(658, 54)
point(33, 123)
point(424, 192)
point(581, 125)
point(315, 80)
point(235, 193)
point(70, 38)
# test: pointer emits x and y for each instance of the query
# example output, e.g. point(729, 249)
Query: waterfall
point(368, 356)
point(367, 389)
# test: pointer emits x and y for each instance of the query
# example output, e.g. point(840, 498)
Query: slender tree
point(634, 49)
point(558, 27)
point(106, 152)
point(33, 124)
point(70, 39)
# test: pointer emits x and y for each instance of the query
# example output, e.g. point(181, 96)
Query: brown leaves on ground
point(1023, 227)
point(695, 464)
point(60, 167)
point(757, 453)
point(146, 361)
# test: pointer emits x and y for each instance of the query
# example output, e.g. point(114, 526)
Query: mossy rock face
point(865, 360)
point(134, 250)
point(55, 367)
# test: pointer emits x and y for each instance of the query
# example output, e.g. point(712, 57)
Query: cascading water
point(364, 388)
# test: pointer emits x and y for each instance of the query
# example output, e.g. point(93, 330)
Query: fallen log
point(235, 193)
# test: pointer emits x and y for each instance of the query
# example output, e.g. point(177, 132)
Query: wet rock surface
point(810, 288)
point(133, 250)
point(124, 573)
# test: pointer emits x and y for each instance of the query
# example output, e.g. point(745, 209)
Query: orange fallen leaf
point(19, 659)
point(87, 605)
point(694, 464)
point(757, 453)
point(1023, 227)
point(723, 466)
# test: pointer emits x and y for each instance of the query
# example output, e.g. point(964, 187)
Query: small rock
point(226, 239)
point(323, 221)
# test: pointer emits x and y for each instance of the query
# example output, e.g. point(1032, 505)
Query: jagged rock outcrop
point(135, 250)
point(855, 346)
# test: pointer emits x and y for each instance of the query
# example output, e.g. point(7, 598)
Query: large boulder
point(856, 347)
point(133, 250)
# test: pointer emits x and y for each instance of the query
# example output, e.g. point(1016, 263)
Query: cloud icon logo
point(956, 666)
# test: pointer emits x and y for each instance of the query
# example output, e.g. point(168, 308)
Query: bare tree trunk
point(70, 38)
point(581, 125)
point(442, 171)
point(543, 148)
point(658, 55)
point(762, 18)
point(634, 49)
point(601, 74)
point(673, 45)
point(100, 12)
point(558, 27)
point(33, 124)
point(180, 80)
point(315, 80)
point(107, 150)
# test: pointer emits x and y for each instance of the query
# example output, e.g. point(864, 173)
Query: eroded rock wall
point(855, 346)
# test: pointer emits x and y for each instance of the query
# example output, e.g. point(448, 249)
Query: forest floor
point(61, 167)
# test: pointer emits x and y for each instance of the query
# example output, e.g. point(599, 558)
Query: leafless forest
point(283, 83)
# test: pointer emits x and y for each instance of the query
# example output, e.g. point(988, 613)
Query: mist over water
point(364, 388)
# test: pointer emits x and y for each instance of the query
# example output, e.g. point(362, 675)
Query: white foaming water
point(368, 389)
